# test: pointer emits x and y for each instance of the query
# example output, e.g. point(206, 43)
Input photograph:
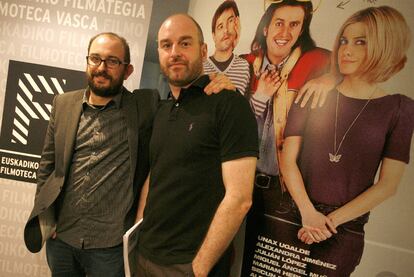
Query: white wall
point(53, 33)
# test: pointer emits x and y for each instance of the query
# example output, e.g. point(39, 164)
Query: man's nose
point(284, 31)
point(175, 50)
point(102, 66)
point(225, 28)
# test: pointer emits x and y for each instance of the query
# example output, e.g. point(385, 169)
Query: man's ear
point(204, 51)
point(128, 71)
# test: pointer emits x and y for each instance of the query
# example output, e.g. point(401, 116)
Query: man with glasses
point(94, 161)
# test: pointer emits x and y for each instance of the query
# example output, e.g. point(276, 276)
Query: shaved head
point(184, 16)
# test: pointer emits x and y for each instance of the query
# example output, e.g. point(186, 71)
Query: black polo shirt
point(192, 136)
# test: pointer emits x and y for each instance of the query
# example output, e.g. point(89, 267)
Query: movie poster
point(270, 49)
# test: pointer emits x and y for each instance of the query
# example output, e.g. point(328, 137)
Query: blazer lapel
point(130, 112)
point(72, 128)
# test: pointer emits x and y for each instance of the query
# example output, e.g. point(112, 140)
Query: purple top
point(383, 129)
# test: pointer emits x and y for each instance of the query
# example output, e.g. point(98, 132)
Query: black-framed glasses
point(111, 62)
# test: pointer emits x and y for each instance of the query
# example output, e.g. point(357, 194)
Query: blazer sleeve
point(35, 231)
point(146, 104)
point(47, 161)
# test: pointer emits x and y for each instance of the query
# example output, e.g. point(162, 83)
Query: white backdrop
point(54, 33)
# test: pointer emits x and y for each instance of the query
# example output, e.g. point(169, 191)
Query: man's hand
point(219, 81)
point(318, 88)
point(269, 83)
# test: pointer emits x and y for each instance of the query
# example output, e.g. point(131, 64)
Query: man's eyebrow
point(184, 38)
point(163, 40)
point(108, 57)
point(179, 39)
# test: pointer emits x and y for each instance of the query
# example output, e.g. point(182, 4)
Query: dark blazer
point(138, 108)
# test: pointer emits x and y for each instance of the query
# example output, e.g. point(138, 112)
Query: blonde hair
point(388, 38)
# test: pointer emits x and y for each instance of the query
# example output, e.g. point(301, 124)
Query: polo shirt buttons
point(177, 104)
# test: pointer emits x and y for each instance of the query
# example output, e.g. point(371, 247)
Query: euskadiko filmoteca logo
point(28, 102)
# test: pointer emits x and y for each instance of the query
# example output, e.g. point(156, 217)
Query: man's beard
point(194, 71)
point(114, 86)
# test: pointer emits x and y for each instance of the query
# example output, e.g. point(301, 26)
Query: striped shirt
point(97, 193)
point(238, 72)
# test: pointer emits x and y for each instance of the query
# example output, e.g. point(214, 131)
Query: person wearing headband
point(283, 58)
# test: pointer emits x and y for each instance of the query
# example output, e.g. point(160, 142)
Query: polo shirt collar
point(200, 83)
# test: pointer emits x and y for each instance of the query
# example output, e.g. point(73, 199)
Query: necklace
point(335, 157)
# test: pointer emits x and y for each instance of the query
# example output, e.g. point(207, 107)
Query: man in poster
point(283, 57)
point(226, 33)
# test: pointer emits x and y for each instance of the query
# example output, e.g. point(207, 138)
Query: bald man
point(203, 153)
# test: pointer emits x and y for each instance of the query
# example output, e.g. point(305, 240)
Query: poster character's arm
point(318, 226)
point(313, 64)
point(317, 88)
point(390, 175)
point(268, 83)
point(238, 182)
point(219, 82)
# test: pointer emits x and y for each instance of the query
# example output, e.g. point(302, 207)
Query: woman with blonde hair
point(331, 155)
